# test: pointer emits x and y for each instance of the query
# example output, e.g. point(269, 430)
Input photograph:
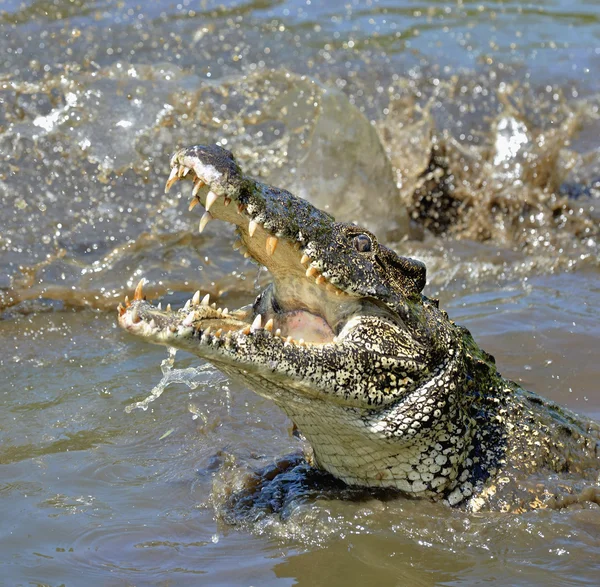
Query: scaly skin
point(388, 391)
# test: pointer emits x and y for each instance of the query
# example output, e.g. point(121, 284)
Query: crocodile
point(388, 391)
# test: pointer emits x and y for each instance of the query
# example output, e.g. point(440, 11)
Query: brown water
point(469, 127)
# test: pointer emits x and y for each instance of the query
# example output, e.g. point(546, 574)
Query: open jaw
point(300, 307)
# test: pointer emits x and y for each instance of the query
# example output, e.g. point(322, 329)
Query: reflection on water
point(465, 133)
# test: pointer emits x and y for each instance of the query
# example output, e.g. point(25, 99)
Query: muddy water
point(464, 133)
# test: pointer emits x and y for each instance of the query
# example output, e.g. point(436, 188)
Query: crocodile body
point(388, 391)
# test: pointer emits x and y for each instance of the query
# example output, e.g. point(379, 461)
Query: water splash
point(191, 376)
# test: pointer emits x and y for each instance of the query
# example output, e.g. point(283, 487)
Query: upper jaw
point(272, 224)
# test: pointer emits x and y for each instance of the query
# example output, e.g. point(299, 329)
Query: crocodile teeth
point(206, 300)
point(226, 201)
point(183, 171)
point(225, 312)
point(187, 321)
point(169, 308)
point(139, 294)
point(173, 177)
point(206, 218)
point(278, 332)
point(256, 324)
point(252, 227)
point(159, 306)
point(219, 332)
point(312, 272)
point(207, 330)
point(121, 310)
point(198, 185)
point(152, 324)
point(135, 316)
point(195, 201)
point(320, 280)
point(271, 244)
point(305, 259)
point(187, 305)
point(211, 198)
point(240, 208)
point(196, 298)
point(269, 325)
point(127, 302)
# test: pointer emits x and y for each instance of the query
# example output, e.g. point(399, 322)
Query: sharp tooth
point(214, 305)
point(121, 310)
point(271, 244)
point(159, 306)
point(196, 298)
point(312, 272)
point(305, 259)
point(169, 308)
point(246, 330)
point(211, 198)
point(195, 201)
point(187, 305)
point(226, 201)
point(127, 302)
point(257, 323)
point(219, 312)
point(225, 312)
point(173, 177)
point(219, 332)
point(135, 316)
point(240, 208)
point(301, 342)
point(269, 325)
point(206, 218)
point(152, 324)
point(139, 294)
point(206, 300)
point(188, 319)
point(183, 171)
point(278, 332)
point(289, 339)
point(252, 227)
point(247, 255)
point(320, 280)
point(207, 331)
point(198, 185)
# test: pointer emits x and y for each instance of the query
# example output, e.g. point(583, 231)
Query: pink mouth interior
point(304, 325)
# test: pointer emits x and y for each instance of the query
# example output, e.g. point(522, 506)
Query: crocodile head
point(342, 339)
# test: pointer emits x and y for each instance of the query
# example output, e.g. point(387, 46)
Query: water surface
point(465, 133)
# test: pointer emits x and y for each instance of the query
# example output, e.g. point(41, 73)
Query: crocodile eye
point(363, 243)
